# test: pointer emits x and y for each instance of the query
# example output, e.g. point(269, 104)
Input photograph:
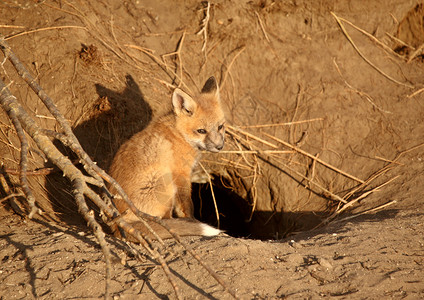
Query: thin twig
point(228, 68)
point(417, 52)
point(204, 26)
point(373, 38)
point(327, 193)
point(177, 53)
point(366, 211)
point(262, 27)
point(44, 29)
point(11, 196)
point(399, 41)
point(256, 152)
point(48, 102)
point(296, 108)
point(213, 194)
point(232, 129)
point(364, 195)
point(281, 124)
point(173, 75)
point(11, 26)
point(416, 93)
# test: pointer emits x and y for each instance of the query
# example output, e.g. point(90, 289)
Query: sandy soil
point(110, 66)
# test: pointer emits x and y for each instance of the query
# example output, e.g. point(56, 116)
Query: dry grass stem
point(173, 75)
point(227, 162)
point(253, 189)
point(224, 75)
point(177, 53)
point(213, 194)
point(257, 152)
point(11, 196)
point(380, 207)
point(399, 41)
point(326, 193)
point(12, 199)
point(236, 164)
point(364, 57)
point(281, 124)
point(315, 158)
point(416, 93)
point(416, 53)
point(373, 38)
point(273, 153)
point(367, 182)
point(12, 26)
point(232, 130)
point(262, 27)
point(44, 29)
point(204, 27)
point(387, 160)
point(364, 195)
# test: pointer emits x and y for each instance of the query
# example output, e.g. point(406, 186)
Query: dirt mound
point(324, 126)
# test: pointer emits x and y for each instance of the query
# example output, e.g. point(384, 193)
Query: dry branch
point(23, 121)
point(23, 161)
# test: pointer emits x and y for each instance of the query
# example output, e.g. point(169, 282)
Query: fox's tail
point(182, 226)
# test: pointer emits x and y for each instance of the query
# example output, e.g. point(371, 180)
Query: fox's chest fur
point(159, 162)
point(154, 167)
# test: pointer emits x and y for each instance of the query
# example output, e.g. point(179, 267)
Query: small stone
point(325, 263)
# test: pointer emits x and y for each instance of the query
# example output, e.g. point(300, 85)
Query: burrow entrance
point(237, 219)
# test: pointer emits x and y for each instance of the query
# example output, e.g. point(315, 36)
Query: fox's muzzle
point(214, 142)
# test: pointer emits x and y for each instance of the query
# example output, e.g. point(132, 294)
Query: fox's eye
point(201, 131)
point(220, 126)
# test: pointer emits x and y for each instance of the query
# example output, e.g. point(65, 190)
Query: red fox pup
point(154, 167)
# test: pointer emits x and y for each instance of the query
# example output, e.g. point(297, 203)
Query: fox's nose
point(219, 148)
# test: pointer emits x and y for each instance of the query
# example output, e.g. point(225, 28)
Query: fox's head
point(201, 119)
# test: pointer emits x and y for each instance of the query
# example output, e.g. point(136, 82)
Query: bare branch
point(23, 163)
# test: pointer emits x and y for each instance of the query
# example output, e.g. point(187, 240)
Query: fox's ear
point(183, 103)
point(211, 86)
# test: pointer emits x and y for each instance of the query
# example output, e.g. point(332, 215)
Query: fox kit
point(154, 167)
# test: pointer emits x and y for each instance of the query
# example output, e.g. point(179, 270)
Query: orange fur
point(154, 167)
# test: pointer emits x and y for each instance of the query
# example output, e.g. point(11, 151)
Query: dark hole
point(235, 214)
point(232, 208)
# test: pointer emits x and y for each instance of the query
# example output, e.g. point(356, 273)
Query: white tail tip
point(209, 230)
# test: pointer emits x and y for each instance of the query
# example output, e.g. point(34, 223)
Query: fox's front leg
point(183, 204)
